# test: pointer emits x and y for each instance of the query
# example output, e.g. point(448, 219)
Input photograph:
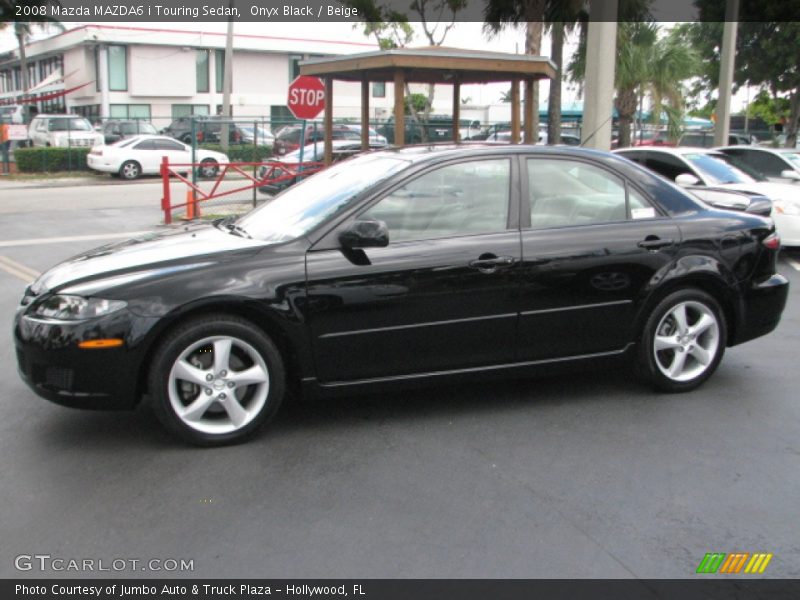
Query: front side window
point(462, 199)
point(566, 193)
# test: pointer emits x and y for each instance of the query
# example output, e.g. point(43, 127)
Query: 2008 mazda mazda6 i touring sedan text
point(405, 266)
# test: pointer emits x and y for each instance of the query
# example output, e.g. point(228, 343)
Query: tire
point(227, 370)
point(683, 341)
point(130, 170)
point(208, 167)
point(186, 138)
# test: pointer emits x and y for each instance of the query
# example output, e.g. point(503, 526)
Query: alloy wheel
point(218, 384)
point(686, 341)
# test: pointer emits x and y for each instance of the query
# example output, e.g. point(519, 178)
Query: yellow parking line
point(18, 270)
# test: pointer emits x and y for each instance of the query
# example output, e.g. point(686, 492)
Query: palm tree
point(646, 64)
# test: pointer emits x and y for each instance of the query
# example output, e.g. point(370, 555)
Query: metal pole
point(227, 81)
point(254, 157)
point(194, 150)
point(727, 59)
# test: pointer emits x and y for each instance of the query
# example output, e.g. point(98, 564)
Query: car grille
point(57, 378)
point(87, 143)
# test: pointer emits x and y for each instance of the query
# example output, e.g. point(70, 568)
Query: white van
point(12, 114)
point(62, 131)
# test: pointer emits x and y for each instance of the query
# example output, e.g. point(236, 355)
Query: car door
point(591, 242)
point(176, 153)
point(441, 296)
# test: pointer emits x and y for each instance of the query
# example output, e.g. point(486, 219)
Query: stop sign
point(306, 97)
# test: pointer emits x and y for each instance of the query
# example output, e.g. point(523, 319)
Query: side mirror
point(686, 180)
point(790, 174)
point(365, 234)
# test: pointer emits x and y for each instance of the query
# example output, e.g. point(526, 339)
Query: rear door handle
point(489, 262)
point(654, 243)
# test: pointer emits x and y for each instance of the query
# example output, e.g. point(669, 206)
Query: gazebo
point(436, 65)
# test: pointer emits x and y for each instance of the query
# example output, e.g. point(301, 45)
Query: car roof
point(674, 150)
point(149, 136)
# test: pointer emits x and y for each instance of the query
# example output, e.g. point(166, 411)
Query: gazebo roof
point(431, 64)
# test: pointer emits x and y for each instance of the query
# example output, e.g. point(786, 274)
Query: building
point(102, 71)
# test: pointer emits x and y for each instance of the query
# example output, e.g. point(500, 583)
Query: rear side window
point(566, 193)
point(666, 165)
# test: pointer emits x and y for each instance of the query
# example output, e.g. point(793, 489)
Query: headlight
point(76, 308)
point(785, 208)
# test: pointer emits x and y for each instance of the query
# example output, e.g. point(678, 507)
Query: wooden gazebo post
point(456, 112)
point(328, 121)
point(364, 112)
point(399, 108)
point(515, 111)
point(531, 115)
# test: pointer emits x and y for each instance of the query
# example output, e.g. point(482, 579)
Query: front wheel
point(216, 380)
point(683, 341)
point(208, 167)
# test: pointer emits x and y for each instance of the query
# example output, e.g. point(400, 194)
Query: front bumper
point(762, 307)
point(51, 363)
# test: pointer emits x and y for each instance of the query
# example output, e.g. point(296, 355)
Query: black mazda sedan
point(411, 266)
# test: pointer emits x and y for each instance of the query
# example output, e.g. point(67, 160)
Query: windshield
point(69, 125)
point(737, 162)
point(129, 128)
point(793, 157)
point(717, 171)
point(300, 208)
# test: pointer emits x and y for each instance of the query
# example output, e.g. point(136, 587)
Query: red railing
point(274, 173)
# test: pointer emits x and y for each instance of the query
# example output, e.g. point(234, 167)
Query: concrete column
point(102, 74)
point(515, 111)
point(727, 59)
point(601, 50)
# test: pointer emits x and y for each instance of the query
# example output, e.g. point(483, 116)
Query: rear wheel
point(683, 341)
point(130, 169)
point(216, 380)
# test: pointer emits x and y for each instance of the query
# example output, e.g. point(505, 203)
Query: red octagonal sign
point(306, 97)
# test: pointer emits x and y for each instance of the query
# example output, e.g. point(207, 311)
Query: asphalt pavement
point(591, 475)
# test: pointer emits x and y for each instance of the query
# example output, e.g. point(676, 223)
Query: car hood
point(785, 192)
point(144, 256)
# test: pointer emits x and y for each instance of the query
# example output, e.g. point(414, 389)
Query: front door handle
point(488, 263)
point(654, 243)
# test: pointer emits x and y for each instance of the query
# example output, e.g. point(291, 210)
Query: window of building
point(280, 115)
point(32, 79)
point(219, 69)
point(48, 66)
point(187, 110)
point(5, 81)
point(379, 89)
point(201, 69)
point(294, 66)
point(17, 79)
point(118, 68)
point(130, 111)
point(91, 111)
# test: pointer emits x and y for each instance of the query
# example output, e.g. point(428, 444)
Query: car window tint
point(145, 145)
point(461, 199)
point(764, 162)
point(666, 165)
point(567, 192)
point(168, 145)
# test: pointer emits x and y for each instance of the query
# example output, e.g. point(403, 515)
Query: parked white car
point(141, 155)
point(699, 167)
point(776, 164)
point(63, 131)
